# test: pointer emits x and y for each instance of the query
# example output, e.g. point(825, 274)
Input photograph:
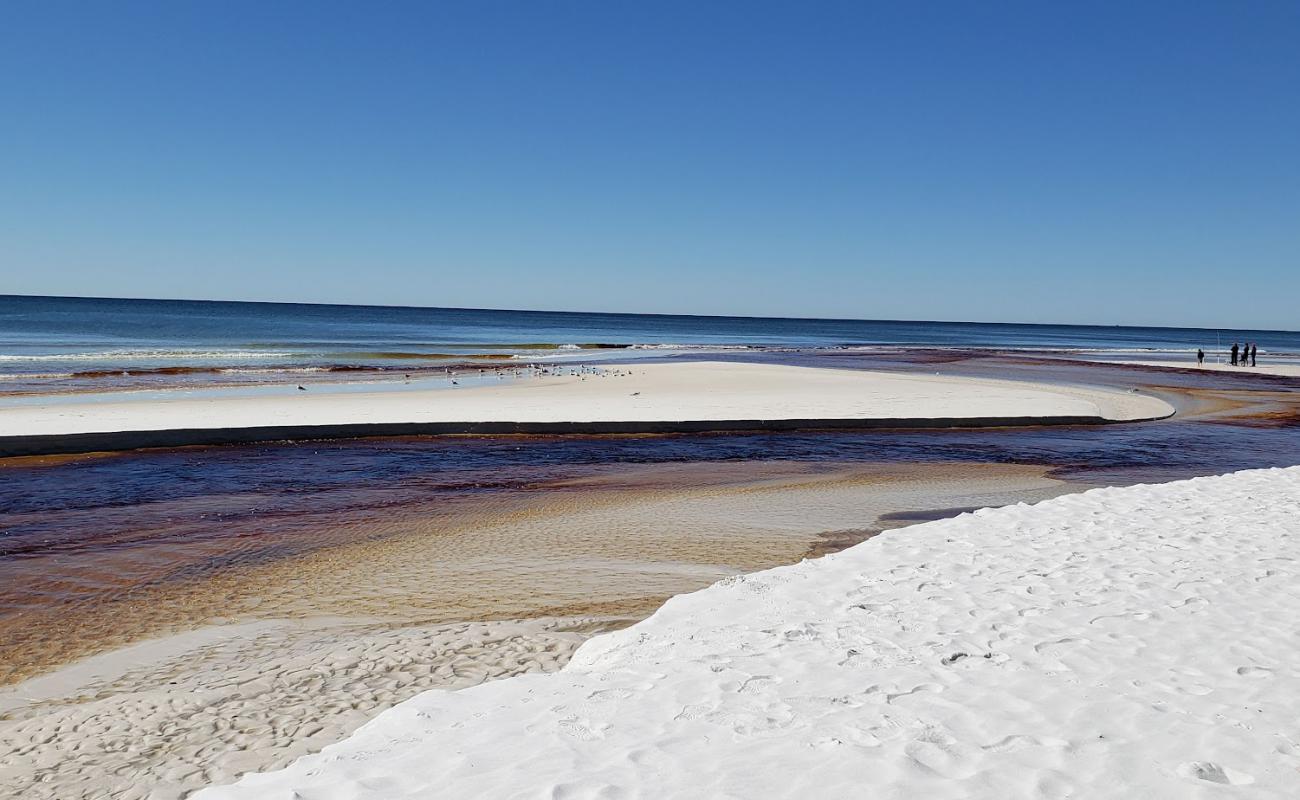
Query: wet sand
point(256, 664)
point(1287, 370)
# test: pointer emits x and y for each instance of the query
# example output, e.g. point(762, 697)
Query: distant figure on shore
point(1234, 353)
point(1200, 356)
point(1254, 351)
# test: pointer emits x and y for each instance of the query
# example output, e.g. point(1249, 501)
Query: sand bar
point(1116, 643)
point(1289, 370)
point(652, 398)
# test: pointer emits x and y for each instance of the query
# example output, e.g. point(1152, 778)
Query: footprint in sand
point(1011, 744)
point(1255, 672)
point(919, 689)
point(576, 728)
point(939, 755)
point(605, 695)
point(1049, 648)
point(755, 684)
point(1214, 773)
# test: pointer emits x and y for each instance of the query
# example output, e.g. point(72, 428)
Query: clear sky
point(1039, 162)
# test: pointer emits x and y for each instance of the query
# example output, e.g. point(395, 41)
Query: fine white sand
point(652, 392)
point(160, 718)
point(1135, 642)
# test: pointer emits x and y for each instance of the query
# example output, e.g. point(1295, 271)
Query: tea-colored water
point(608, 542)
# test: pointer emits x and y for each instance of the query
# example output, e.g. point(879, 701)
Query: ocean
point(63, 343)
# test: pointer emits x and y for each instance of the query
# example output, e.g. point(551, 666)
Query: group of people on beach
point(1243, 355)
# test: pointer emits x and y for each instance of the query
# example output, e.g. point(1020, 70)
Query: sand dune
point(1135, 642)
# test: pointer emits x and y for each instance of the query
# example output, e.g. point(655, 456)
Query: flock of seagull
point(581, 371)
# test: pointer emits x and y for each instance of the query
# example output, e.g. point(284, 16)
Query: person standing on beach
point(1200, 357)
point(1254, 350)
point(1234, 353)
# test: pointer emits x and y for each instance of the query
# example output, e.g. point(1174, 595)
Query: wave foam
point(137, 355)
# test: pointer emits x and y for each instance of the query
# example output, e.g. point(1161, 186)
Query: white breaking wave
point(674, 346)
point(142, 355)
point(27, 376)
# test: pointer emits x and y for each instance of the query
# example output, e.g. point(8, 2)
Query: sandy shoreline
point(1114, 643)
point(269, 663)
point(162, 718)
point(643, 394)
point(1281, 370)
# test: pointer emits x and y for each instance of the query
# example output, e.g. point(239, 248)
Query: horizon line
point(644, 313)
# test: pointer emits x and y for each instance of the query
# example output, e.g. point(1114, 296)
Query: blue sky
point(1041, 162)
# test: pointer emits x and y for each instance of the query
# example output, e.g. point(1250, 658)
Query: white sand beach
point(651, 392)
point(1133, 642)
